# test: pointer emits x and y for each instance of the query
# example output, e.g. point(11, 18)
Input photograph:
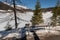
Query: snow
point(27, 17)
point(47, 16)
point(22, 6)
point(57, 28)
point(11, 35)
point(4, 18)
point(23, 18)
point(46, 32)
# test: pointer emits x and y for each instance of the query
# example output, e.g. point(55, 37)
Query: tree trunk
point(15, 14)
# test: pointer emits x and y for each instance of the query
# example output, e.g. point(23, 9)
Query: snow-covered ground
point(23, 18)
point(47, 16)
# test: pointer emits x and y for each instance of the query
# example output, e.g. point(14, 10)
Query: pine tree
point(54, 17)
point(37, 17)
point(56, 13)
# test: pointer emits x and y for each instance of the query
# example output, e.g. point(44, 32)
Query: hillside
point(6, 6)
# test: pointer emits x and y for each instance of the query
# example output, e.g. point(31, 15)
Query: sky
point(44, 3)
